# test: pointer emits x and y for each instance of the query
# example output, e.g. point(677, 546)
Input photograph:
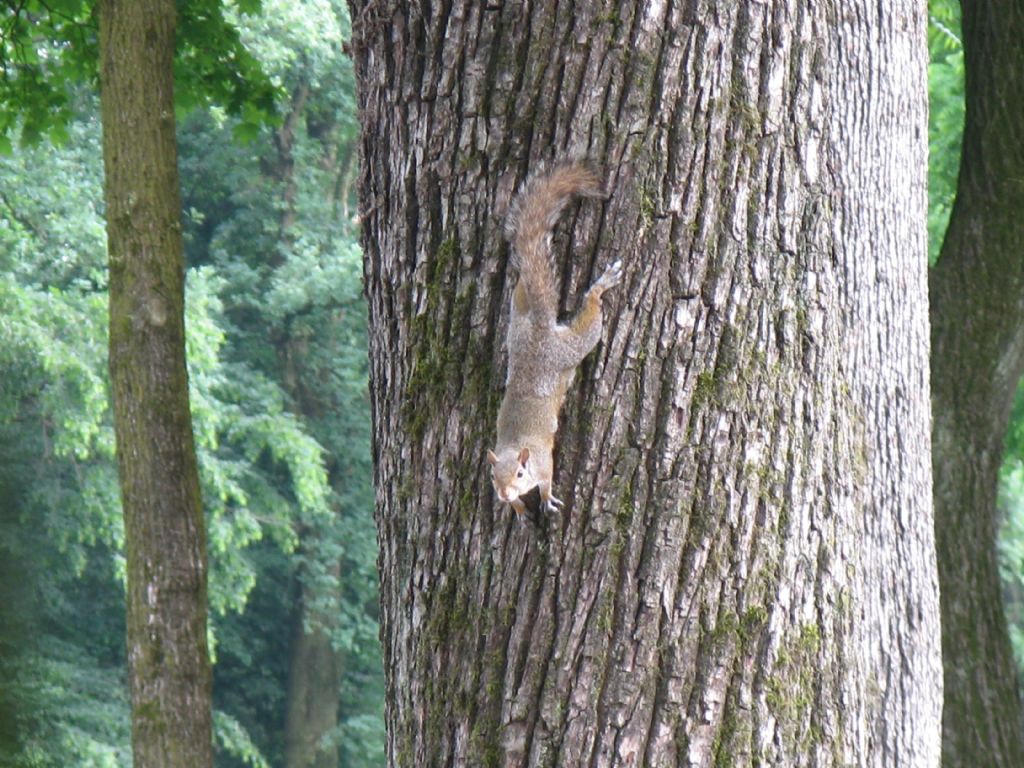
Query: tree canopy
point(49, 48)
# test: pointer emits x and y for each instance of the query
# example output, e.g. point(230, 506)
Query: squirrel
point(542, 353)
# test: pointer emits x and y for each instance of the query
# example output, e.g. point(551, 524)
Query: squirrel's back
point(530, 222)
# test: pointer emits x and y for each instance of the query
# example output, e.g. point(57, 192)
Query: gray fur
point(542, 353)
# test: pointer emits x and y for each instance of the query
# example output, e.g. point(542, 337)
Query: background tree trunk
point(745, 566)
point(977, 294)
point(314, 665)
point(314, 674)
point(165, 537)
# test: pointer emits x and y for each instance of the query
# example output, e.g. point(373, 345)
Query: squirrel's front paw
point(611, 277)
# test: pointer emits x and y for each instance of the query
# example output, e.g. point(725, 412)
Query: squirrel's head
point(510, 473)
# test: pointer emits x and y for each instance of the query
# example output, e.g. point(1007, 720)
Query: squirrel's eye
point(519, 473)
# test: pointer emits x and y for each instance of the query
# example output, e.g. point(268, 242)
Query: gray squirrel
point(542, 353)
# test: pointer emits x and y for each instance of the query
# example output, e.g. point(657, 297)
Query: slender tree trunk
point(314, 675)
point(314, 665)
point(165, 538)
point(977, 291)
point(744, 572)
point(284, 170)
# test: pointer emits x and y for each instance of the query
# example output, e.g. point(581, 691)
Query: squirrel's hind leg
point(583, 333)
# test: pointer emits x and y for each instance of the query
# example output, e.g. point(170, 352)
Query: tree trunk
point(165, 539)
point(744, 570)
point(314, 665)
point(314, 674)
point(284, 170)
point(977, 293)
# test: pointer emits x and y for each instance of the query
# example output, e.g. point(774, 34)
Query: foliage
point(300, 287)
point(276, 350)
point(48, 48)
point(1011, 534)
point(946, 116)
point(44, 50)
point(1011, 551)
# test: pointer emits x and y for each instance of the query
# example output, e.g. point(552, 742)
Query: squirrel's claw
point(611, 276)
point(554, 504)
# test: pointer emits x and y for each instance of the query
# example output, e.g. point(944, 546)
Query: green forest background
point(277, 358)
point(278, 368)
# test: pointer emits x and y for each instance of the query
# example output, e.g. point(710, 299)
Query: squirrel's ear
point(492, 457)
point(524, 456)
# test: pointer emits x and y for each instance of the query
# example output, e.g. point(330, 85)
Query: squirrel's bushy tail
point(530, 221)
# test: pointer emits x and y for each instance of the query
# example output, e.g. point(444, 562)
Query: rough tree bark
point(165, 537)
point(977, 293)
point(745, 568)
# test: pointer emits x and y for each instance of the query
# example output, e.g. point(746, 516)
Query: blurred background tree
point(276, 348)
point(977, 313)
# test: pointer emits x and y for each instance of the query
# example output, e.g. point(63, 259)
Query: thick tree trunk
point(977, 292)
point(165, 537)
point(744, 570)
